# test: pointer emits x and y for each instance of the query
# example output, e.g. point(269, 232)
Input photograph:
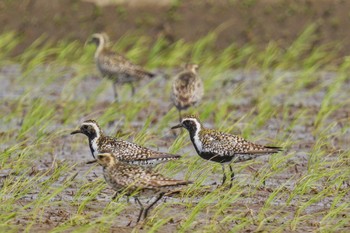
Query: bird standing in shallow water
point(122, 150)
point(222, 147)
point(115, 66)
point(136, 180)
point(187, 88)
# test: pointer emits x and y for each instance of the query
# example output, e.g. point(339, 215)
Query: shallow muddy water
point(61, 87)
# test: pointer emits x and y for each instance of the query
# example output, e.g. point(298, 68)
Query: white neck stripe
point(198, 142)
point(196, 139)
point(198, 127)
point(100, 46)
point(94, 141)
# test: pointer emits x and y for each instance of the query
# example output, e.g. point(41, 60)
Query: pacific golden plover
point(134, 180)
point(122, 150)
point(114, 66)
point(187, 88)
point(222, 147)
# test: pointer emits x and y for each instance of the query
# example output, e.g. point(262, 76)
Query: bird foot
point(128, 225)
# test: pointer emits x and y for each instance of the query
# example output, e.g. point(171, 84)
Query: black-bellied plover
point(121, 149)
point(222, 147)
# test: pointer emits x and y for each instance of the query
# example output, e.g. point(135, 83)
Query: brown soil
point(241, 22)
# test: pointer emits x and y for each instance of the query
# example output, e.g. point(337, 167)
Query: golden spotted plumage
point(132, 179)
point(121, 149)
point(222, 147)
point(187, 88)
point(114, 66)
point(121, 175)
point(229, 145)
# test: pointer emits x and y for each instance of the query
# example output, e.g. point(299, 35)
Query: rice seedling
point(287, 97)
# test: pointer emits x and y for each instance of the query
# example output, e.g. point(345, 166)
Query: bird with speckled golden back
point(187, 88)
point(123, 150)
point(222, 147)
point(136, 180)
point(114, 66)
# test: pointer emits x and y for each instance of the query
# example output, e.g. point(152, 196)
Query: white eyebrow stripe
point(100, 46)
point(196, 138)
point(189, 119)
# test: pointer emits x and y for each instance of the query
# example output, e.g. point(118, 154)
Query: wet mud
point(75, 150)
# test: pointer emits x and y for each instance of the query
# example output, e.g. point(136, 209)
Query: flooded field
point(46, 184)
point(274, 72)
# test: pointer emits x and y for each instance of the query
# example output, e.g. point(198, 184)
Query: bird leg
point(224, 177)
point(180, 117)
point(151, 205)
point(132, 89)
point(91, 161)
point(141, 210)
point(115, 195)
point(232, 174)
point(115, 91)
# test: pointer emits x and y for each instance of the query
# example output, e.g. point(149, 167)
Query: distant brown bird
point(114, 66)
point(133, 179)
point(187, 88)
point(123, 150)
point(222, 147)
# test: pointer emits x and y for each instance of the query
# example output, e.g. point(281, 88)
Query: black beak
point(92, 161)
point(177, 126)
point(76, 131)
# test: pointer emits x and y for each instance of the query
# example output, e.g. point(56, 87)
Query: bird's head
point(189, 122)
point(192, 67)
point(98, 39)
point(90, 128)
point(105, 159)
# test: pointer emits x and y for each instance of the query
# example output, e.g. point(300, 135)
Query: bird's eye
point(187, 122)
point(96, 40)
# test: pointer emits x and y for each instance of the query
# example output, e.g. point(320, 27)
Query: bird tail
point(274, 149)
point(261, 150)
point(164, 156)
point(173, 183)
point(155, 159)
point(149, 74)
point(141, 73)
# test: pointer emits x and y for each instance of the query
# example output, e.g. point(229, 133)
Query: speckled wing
point(111, 63)
point(150, 179)
point(187, 90)
point(123, 175)
point(199, 90)
point(131, 152)
point(225, 144)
